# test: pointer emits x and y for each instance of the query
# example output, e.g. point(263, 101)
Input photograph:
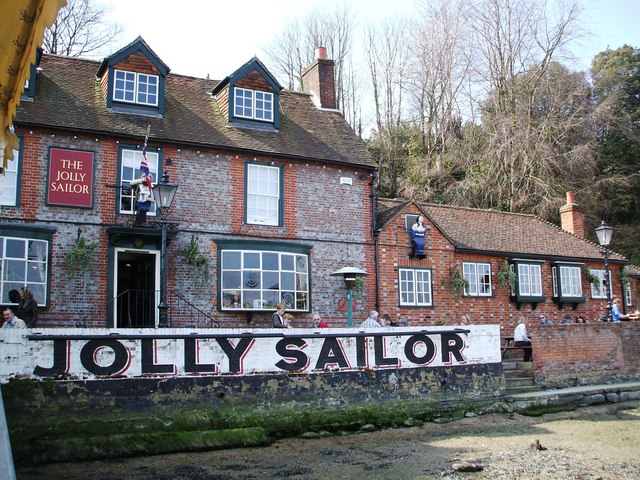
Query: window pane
point(251, 260)
point(251, 279)
point(231, 279)
point(469, 274)
point(15, 248)
point(288, 281)
point(271, 280)
point(287, 262)
point(270, 261)
point(10, 184)
point(230, 259)
point(130, 170)
point(536, 280)
point(263, 194)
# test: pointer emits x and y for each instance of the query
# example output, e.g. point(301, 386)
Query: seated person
point(616, 316)
point(522, 340)
point(566, 319)
point(544, 320)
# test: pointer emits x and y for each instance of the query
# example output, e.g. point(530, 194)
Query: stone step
point(517, 376)
point(522, 389)
point(512, 365)
point(519, 382)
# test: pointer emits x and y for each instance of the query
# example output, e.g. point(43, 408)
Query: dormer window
point(133, 80)
point(250, 97)
point(253, 104)
point(135, 87)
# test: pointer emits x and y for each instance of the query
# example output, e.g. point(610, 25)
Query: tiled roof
point(69, 97)
point(509, 234)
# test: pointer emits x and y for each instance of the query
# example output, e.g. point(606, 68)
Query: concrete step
point(519, 382)
point(513, 365)
point(522, 389)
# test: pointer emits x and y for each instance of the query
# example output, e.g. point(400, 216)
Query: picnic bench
point(509, 344)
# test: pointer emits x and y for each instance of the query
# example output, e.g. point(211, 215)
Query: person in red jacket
point(318, 322)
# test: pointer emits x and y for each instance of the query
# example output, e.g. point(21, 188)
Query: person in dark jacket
point(14, 297)
point(278, 319)
point(28, 308)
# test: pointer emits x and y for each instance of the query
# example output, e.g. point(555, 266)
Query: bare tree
point(513, 44)
point(80, 30)
point(293, 50)
point(437, 72)
point(387, 60)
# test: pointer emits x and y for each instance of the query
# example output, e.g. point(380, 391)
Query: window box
point(529, 285)
point(567, 284)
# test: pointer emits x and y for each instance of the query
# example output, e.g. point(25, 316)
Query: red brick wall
point(394, 251)
point(334, 219)
point(137, 62)
point(568, 355)
point(254, 81)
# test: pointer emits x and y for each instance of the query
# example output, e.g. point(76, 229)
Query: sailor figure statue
point(144, 198)
point(417, 238)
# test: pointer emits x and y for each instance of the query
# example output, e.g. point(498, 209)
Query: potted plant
point(78, 258)
point(198, 263)
point(592, 279)
point(507, 277)
point(458, 282)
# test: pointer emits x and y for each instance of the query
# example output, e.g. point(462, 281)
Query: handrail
point(138, 302)
point(175, 293)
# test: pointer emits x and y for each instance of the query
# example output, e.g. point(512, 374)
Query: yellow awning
point(21, 33)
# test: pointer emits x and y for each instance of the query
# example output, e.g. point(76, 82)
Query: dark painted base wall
point(73, 420)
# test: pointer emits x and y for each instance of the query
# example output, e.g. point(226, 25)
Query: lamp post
point(163, 193)
point(350, 274)
point(604, 233)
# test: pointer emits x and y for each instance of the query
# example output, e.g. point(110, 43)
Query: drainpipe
point(374, 201)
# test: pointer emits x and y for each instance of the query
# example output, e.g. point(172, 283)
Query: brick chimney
point(318, 80)
point(571, 217)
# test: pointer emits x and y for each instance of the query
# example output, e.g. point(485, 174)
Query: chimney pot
point(321, 53)
point(570, 199)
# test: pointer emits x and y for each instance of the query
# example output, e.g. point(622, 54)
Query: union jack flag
point(144, 166)
point(145, 206)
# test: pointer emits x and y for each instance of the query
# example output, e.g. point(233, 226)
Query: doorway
point(136, 289)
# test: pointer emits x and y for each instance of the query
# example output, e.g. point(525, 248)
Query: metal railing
point(138, 309)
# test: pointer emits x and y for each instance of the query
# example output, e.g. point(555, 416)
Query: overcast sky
point(200, 37)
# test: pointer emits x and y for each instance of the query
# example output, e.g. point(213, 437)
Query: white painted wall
point(30, 353)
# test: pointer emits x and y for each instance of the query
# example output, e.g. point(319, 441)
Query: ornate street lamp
point(604, 233)
point(163, 193)
point(350, 274)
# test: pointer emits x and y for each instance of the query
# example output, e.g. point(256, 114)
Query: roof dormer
point(133, 79)
point(250, 97)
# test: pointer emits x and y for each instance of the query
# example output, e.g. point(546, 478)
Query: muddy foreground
point(588, 443)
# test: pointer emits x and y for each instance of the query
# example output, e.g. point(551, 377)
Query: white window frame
point(9, 196)
point(263, 194)
point(259, 279)
point(130, 170)
point(414, 287)
point(27, 270)
point(570, 281)
point(601, 291)
point(476, 274)
point(628, 299)
point(138, 85)
point(529, 280)
point(253, 104)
